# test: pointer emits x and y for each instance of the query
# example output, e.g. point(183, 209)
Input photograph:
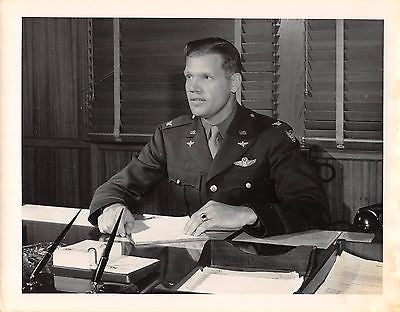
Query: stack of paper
point(220, 281)
point(353, 275)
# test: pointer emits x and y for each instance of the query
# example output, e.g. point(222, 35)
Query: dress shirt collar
point(222, 126)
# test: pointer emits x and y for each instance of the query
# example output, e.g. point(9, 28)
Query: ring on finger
point(203, 217)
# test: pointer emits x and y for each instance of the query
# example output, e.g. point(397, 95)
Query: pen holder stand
point(41, 283)
point(31, 256)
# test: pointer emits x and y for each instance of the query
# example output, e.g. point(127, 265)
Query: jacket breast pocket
point(185, 187)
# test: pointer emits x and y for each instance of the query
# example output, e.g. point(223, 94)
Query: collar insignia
point(193, 132)
point(245, 162)
point(168, 124)
point(243, 143)
point(252, 115)
point(190, 143)
point(277, 123)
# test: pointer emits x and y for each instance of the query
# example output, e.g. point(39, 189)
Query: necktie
point(214, 140)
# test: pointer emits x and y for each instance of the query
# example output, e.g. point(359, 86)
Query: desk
point(177, 260)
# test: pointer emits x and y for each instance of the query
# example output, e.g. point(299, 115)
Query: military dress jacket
point(259, 164)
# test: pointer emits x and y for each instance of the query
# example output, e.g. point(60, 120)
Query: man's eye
point(188, 76)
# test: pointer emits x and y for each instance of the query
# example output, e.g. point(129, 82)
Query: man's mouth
point(197, 100)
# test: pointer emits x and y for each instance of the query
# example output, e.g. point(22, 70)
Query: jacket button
point(213, 188)
point(248, 185)
point(178, 181)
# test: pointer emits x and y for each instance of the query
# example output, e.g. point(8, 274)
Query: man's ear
point(236, 82)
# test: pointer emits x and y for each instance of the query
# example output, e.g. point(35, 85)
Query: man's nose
point(193, 85)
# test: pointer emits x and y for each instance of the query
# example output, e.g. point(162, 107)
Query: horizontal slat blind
point(320, 112)
point(259, 45)
point(151, 70)
point(362, 83)
point(151, 64)
point(363, 109)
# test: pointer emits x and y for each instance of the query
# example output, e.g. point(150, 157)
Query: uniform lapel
point(197, 146)
point(240, 136)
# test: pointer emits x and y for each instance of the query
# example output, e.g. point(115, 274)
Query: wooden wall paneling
point(54, 71)
point(95, 172)
point(72, 183)
point(358, 182)
point(114, 161)
point(56, 176)
point(84, 168)
point(54, 87)
point(44, 176)
point(107, 159)
point(333, 188)
point(27, 81)
point(69, 90)
point(66, 178)
point(28, 175)
point(41, 88)
point(80, 52)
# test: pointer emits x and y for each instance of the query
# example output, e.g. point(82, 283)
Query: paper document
point(128, 264)
point(86, 255)
point(220, 281)
point(161, 229)
point(318, 238)
point(353, 275)
point(55, 214)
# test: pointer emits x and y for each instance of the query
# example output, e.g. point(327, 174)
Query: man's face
point(208, 87)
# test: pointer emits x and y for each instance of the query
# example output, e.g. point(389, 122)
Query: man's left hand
point(218, 216)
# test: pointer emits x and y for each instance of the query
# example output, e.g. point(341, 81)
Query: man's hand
point(215, 215)
point(107, 219)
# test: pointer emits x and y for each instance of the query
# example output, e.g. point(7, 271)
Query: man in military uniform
point(229, 166)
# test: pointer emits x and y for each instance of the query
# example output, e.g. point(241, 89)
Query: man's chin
point(197, 113)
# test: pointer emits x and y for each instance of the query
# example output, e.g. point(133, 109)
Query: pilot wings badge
point(245, 162)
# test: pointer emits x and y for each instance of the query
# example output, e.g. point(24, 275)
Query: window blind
point(344, 83)
point(259, 48)
point(151, 64)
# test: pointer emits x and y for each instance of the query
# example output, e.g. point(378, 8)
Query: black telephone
point(369, 219)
